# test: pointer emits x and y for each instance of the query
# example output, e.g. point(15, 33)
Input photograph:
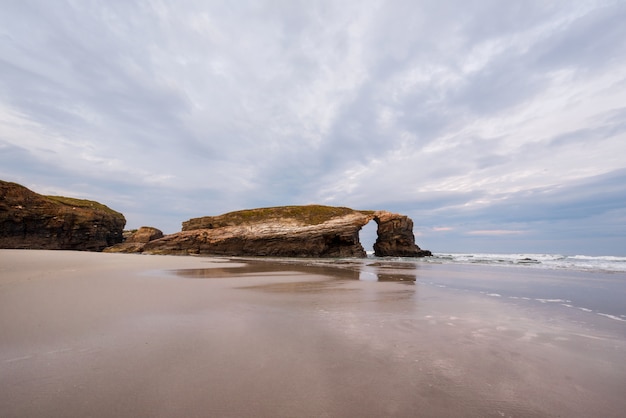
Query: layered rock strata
point(290, 231)
point(33, 221)
point(395, 237)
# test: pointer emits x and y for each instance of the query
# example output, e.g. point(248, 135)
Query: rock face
point(145, 234)
point(135, 241)
point(33, 221)
point(395, 237)
point(290, 231)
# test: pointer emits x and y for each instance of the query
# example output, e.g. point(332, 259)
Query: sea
point(589, 263)
point(591, 284)
point(582, 284)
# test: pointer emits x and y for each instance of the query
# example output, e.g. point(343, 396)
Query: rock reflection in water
point(336, 269)
point(313, 286)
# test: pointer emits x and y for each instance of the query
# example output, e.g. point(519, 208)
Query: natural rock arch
point(291, 231)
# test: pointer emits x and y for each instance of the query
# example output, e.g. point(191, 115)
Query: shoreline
point(125, 334)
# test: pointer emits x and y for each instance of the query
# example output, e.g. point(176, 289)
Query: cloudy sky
point(497, 126)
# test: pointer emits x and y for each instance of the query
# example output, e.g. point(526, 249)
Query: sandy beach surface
point(120, 335)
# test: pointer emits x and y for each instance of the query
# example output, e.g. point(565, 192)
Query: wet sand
point(103, 335)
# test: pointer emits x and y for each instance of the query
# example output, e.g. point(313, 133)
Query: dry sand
point(111, 335)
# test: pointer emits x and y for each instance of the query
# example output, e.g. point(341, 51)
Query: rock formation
point(395, 237)
point(290, 231)
point(33, 221)
point(135, 241)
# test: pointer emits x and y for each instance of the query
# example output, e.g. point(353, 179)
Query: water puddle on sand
point(331, 274)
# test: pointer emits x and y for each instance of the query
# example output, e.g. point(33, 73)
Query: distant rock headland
point(291, 231)
point(32, 221)
point(135, 241)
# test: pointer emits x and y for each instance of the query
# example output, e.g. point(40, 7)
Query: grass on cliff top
point(308, 215)
point(81, 203)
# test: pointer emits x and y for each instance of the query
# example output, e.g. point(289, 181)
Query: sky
point(497, 126)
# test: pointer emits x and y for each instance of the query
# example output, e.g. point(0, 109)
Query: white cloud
point(495, 232)
point(428, 108)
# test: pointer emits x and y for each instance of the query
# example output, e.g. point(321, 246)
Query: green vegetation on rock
point(305, 215)
point(81, 203)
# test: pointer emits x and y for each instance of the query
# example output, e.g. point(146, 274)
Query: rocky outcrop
point(145, 234)
point(289, 231)
point(33, 221)
point(135, 241)
point(395, 237)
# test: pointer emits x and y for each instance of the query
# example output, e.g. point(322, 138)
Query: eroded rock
point(290, 231)
point(135, 241)
point(32, 221)
point(395, 237)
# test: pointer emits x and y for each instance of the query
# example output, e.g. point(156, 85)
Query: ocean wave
point(550, 261)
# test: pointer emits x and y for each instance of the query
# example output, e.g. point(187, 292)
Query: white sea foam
point(617, 318)
point(553, 300)
point(551, 261)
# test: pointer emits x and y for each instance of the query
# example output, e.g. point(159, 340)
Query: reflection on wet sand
point(96, 334)
point(301, 287)
point(336, 270)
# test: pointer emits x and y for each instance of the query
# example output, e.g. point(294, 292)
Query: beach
point(103, 335)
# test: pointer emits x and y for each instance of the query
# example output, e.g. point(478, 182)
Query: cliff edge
point(32, 221)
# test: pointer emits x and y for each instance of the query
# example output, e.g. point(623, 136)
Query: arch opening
point(367, 237)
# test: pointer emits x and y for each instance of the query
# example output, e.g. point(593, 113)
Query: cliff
point(290, 231)
point(33, 221)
